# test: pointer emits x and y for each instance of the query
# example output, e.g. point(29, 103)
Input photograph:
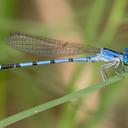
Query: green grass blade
point(114, 21)
point(94, 18)
point(3, 93)
point(53, 103)
point(6, 10)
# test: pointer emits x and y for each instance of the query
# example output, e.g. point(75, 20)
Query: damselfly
point(52, 48)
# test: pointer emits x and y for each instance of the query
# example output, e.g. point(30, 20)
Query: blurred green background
point(100, 23)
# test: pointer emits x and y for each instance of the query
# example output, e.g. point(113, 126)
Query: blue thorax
point(110, 54)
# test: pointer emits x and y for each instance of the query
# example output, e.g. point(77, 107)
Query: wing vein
point(46, 47)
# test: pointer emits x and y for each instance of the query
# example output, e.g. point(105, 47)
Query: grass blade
point(53, 103)
point(114, 21)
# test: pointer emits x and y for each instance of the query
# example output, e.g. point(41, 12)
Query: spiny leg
point(103, 68)
point(123, 65)
point(116, 67)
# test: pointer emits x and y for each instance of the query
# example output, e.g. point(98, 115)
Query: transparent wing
point(46, 47)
